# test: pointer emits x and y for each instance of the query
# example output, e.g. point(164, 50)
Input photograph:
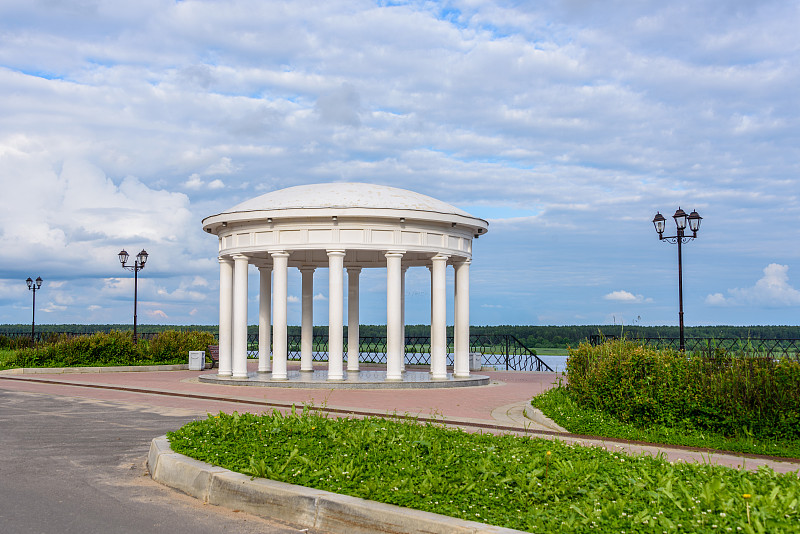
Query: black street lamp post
point(34, 285)
point(681, 220)
point(137, 266)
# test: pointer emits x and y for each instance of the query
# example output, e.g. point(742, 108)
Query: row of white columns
point(273, 299)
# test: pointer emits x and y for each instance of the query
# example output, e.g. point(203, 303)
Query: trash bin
point(475, 361)
point(197, 360)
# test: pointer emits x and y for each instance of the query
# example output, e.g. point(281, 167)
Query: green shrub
point(111, 348)
point(729, 394)
point(173, 344)
point(14, 343)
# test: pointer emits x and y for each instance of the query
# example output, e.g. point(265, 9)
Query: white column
point(403, 314)
point(239, 349)
point(353, 347)
point(394, 329)
point(264, 313)
point(461, 329)
point(225, 315)
point(335, 314)
point(307, 321)
point(439, 317)
point(280, 266)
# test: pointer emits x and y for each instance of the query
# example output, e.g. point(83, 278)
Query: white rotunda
point(344, 227)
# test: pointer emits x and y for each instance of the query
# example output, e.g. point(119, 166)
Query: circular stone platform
point(352, 380)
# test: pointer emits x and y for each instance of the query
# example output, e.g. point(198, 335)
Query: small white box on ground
point(475, 362)
point(197, 360)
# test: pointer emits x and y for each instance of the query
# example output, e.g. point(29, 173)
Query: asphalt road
point(71, 465)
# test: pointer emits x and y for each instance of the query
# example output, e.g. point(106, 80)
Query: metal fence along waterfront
point(500, 351)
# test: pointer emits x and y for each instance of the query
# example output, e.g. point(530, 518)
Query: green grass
point(511, 481)
point(558, 405)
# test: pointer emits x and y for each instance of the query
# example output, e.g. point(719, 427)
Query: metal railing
point(500, 351)
point(712, 347)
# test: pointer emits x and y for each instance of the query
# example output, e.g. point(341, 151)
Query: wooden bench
point(213, 353)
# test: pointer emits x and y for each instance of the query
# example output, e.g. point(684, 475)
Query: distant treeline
point(532, 336)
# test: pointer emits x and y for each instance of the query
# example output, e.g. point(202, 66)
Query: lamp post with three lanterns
point(137, 266)
point(34, 285)
point(681, 220)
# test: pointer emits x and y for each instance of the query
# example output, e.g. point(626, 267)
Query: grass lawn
point(518, 482)
point(561, 408)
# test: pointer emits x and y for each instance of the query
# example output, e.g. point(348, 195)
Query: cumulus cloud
point(626, 297)
point(772, 290)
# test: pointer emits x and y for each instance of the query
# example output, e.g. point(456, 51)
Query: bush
point(730, 394)
point(112, 348)
point(172, 344)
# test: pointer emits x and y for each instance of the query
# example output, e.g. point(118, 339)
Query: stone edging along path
point(297, 505)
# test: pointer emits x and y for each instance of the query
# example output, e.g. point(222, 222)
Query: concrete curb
point(536, 415)
point(85, 370)
point(304, 507)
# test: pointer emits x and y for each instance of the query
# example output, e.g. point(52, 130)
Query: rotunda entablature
point(305, 222)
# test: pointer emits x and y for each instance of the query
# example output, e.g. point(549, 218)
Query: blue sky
point(566, 124)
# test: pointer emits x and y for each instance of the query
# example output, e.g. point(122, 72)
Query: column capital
point(394, 253)
point(307, 268)
point(279, 254)
point(241, 257)
point(353, 269)
point(336, 252)
point(440, 257)
point(462, 261)
point(225, 259)
point(264, 266)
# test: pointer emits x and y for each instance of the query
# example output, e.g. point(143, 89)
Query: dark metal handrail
point(711, 347)
point(501, 351)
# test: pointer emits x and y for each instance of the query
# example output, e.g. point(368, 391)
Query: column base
point(280, 378)
point(439, 377)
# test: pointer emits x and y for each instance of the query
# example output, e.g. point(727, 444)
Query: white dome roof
point(346, 195)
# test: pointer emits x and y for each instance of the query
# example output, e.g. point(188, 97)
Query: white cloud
point(194, 182)
point(293, 299)
point(320, 296)
point(626, 296)
point(773, 290)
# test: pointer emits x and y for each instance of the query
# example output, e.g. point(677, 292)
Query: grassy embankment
point(730, 402)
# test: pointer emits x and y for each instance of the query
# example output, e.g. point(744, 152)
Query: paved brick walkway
point(508, 393)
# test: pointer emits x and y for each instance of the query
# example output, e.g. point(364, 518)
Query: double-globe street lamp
point(137, 266)
point(34, 285)
point(681, 220)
